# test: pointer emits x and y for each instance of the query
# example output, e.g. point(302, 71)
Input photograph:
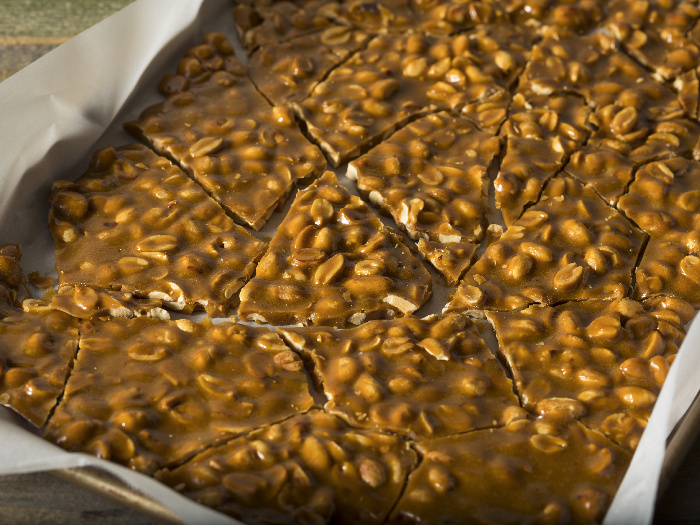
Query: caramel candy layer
point(148, 393)
point(431, 177)
point(136, 223)
point(310, 469)
point(526, 472)
point(603, 362)
point(13, 284)
point(664, 200)
point(420, 378)
point(400, 76)
point(221, 130)
point(288, 72)
point(332, 262)
point(37, 348)
point(569, 246)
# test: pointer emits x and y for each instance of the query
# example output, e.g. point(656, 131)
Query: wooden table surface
point(29, 29)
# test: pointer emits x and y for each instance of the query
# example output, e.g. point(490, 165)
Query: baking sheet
point(60, 109)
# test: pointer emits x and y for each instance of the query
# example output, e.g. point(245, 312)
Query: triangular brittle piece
point(332, 262)
point(37, 348)
point(288, 72)
point(604, 362)
point(541, 132)
point(311, 468)
point(664, 200)
point(563, 472)
point(420, 378)
point(221, 130)
point(398, 77)
point(136, 223)
point(431, 177)
point(181, 387)
point(571, 245)
point(575, 15)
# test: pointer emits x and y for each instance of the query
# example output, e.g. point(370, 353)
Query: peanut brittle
point(663, 201)
point(288, 72)
point(398, 77)
point(181, 387)
point(310, 469)
point(269, 23)
point(221, 130)
point(656, 33)
point(604, 362)
point(526, 472)
point(431, 177)
point(610, 81)
point(36, 351)
point(136, 223)
point(332, 262)
point(420, 378)
point(541, 132)
point(569, 246)
point(13, 285)
point(607, 171)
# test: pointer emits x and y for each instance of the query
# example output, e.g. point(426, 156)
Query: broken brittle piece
point(181, 387)
point(603, 362)
point(664, 202)
point(287, 72)
point(246, 154)
point(311, 468)
point(136, 223)
point(37, 348)
point(398, 77)
point(431, 177)
point(333, 262)
point(541, 471)
point(419, 378)
point(569, 246)
point(541, 132)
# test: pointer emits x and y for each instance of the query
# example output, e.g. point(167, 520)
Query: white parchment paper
point(56, 112)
